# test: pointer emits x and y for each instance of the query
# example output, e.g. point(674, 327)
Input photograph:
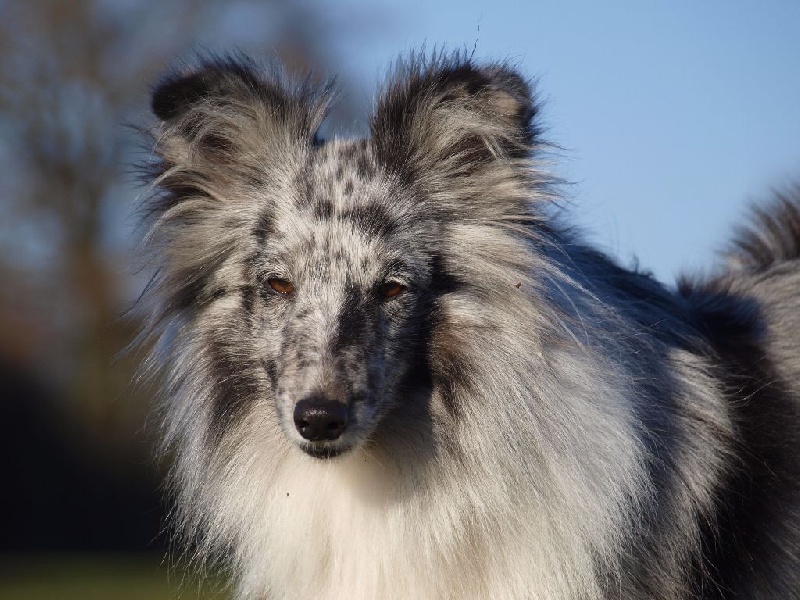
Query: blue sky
point(673, 115)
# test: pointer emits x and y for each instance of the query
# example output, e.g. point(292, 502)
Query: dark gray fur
point(526, 418)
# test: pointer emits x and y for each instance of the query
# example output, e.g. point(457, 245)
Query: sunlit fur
point(526, 418)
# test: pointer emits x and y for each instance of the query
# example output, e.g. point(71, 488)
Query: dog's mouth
point(324, 451)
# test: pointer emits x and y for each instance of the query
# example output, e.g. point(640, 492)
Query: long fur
point(526, 419)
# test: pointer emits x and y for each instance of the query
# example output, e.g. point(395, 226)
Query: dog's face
point(345, 293)
point(331, 259)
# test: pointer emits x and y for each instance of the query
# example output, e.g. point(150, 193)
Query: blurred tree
point(72, 73)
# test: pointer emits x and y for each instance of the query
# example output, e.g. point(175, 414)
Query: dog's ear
point(229, 107)
point(179, 92)
point(453, 118)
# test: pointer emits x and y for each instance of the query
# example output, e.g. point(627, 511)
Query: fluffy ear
point(453, 118)
point(228, 108)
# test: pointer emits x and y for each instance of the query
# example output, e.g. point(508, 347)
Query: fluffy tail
point(772, 237)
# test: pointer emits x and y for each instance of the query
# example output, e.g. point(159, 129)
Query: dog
point(391, 370)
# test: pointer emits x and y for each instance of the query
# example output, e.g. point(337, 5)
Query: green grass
point(99, 578)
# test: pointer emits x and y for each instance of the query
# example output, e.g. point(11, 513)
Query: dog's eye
point(282, 286)
point(390, 289)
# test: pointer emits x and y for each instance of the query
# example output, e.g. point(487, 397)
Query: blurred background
point(670, 118)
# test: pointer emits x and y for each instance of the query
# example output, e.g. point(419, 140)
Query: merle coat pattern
point(392, 372)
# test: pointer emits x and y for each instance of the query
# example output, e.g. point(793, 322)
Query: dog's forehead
point(344, 176)
point(342, 218)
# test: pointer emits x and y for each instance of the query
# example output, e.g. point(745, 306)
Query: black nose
point(318, 420)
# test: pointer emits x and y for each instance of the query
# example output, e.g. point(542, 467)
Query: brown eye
point(282, 286)
point(390, 289)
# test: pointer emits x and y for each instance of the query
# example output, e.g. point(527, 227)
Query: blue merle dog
point(392, 372)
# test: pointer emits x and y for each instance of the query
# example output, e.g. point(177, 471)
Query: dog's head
point(308, 277)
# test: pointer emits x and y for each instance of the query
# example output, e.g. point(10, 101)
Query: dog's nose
point(319, 420)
